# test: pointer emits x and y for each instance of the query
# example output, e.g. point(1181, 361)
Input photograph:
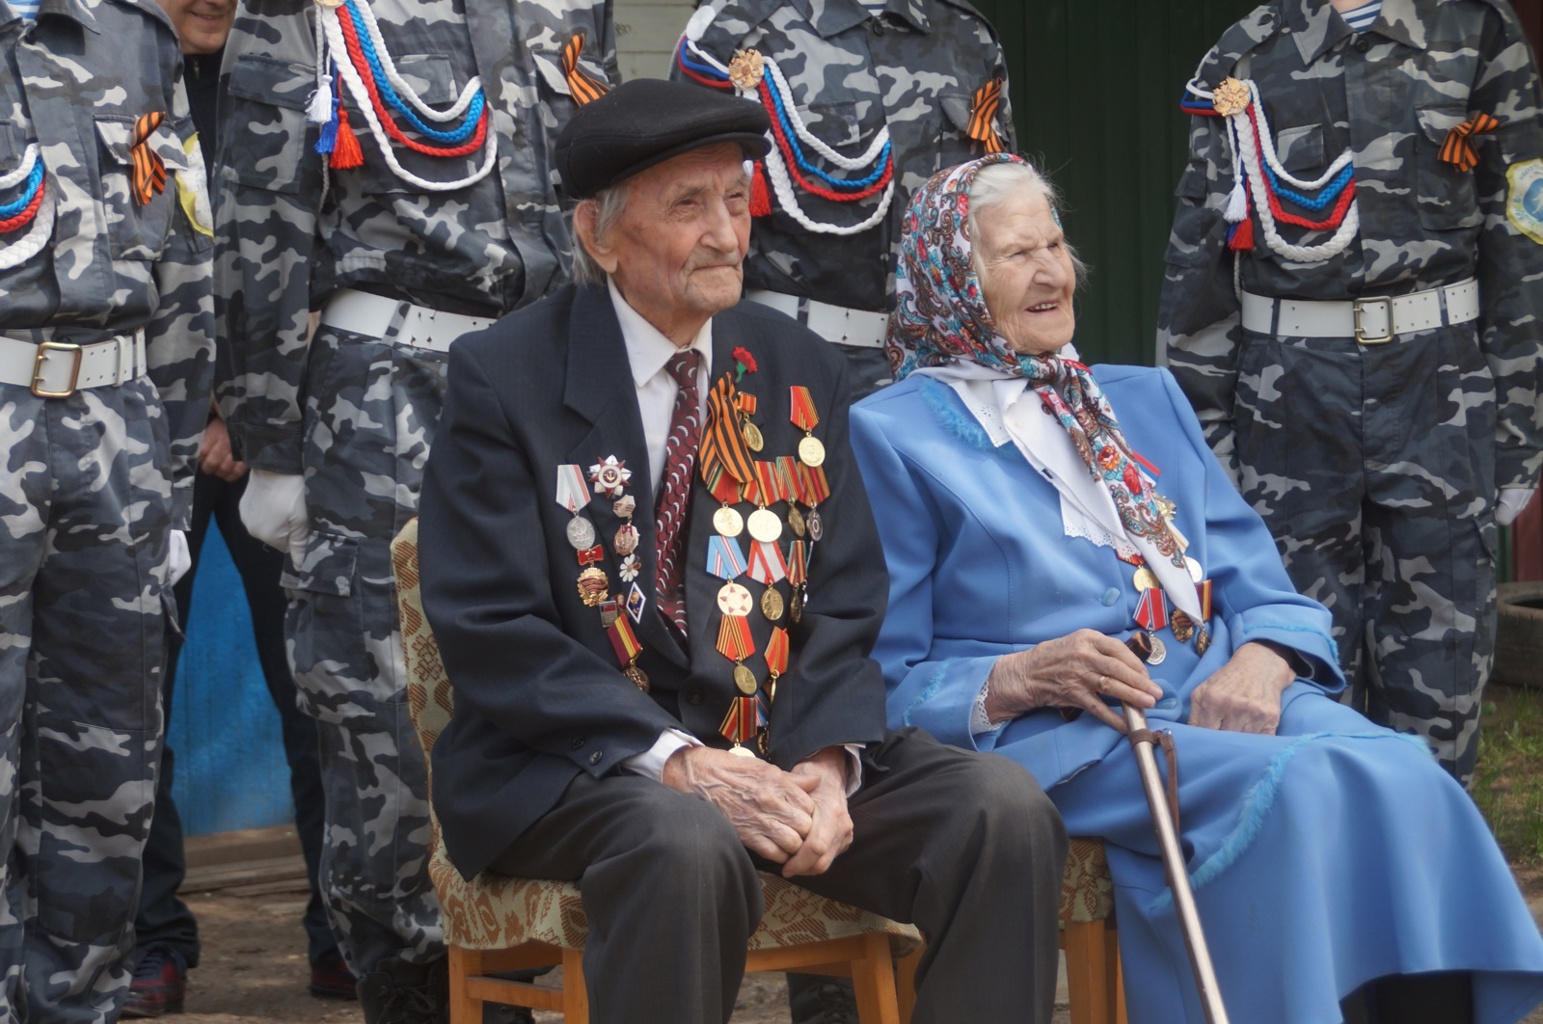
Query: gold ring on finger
point(1103, 684)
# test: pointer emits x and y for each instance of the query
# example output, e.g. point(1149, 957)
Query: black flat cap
point(646, 121)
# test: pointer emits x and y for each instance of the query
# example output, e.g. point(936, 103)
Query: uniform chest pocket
point(955, 144)
point(13, 145)
point(136, 230)
point(267, 100)
point(1300, 149)
point(1446, 196)
point(567, 78)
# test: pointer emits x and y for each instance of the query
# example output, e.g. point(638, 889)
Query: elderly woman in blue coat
point(1035, 514)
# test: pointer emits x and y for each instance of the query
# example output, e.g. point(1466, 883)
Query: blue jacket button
point(1111, 596)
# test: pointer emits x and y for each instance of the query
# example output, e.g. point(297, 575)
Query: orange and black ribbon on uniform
point(723, 442)
point(149, 177)
point(584, 87)
point(1458, 148)
point(983, 115)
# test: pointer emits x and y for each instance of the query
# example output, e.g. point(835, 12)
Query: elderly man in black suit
point(655, 579)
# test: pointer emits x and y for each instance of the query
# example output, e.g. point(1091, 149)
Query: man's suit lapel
point(599, 387)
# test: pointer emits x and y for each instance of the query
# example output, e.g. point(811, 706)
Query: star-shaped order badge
point(610, 476)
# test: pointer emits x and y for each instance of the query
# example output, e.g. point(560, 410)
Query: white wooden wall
point(646, 32)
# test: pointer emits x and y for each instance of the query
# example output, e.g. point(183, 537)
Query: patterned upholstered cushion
point(496, 912)
point(1087, 894)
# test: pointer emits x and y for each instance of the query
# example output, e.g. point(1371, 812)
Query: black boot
point(398, 992)
point(815, 999)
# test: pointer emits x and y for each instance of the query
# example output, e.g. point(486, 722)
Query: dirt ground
point(253, 968)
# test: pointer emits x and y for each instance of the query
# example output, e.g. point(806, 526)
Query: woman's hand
point(1075, 671)
point(1244, 694)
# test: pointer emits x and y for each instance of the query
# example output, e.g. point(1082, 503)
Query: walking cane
point(1165, 823)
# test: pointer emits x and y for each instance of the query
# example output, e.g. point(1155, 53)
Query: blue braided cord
point(1328, 195)
point(798, 154)
point(30, 191)
point(459, 135)
point(706, 69)
point(1194, 104)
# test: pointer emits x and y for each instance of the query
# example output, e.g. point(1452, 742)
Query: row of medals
point(765, 525)
point(609, 478)
point(1145, 579)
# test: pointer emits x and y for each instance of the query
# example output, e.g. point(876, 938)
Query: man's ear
point(586, 223)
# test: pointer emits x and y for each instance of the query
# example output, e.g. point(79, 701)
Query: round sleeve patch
point(1524, 198)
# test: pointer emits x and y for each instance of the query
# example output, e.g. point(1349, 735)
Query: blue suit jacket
point(980, 566)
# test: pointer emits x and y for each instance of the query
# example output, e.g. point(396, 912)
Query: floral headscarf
point(941, 319)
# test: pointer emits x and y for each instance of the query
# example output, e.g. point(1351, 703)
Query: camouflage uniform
point(356, 411)
point(915, 67)
point(1377, 466)
point(93, 484)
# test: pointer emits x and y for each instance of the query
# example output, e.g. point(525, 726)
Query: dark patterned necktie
point(675, 489)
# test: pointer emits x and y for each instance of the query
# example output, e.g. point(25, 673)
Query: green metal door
point(1095, 90)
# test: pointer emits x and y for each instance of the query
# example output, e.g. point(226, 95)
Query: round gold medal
point(753, 437)
point(638, 677)
point(744, 680)
point(796, 520)
point(771, 604)
point(764, 525)
point(739, 751)
point(734, 599)
point(728, 522)
point(810, 451)
point(1144, 579)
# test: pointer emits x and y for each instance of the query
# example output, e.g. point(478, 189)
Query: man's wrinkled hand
point(831, 832)
point(771, 810)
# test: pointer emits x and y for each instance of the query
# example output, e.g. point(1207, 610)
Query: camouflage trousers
point(1374, 467)
point(371, 409)
point(85, 509)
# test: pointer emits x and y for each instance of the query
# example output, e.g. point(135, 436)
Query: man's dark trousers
point(941, 837)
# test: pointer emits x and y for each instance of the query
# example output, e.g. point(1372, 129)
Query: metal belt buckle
point(1387, 304)
point(42, 357)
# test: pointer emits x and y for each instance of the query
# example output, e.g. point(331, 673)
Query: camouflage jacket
point(288, 238)
point(1390, 95)
point(75, 82)
point(915, 68)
